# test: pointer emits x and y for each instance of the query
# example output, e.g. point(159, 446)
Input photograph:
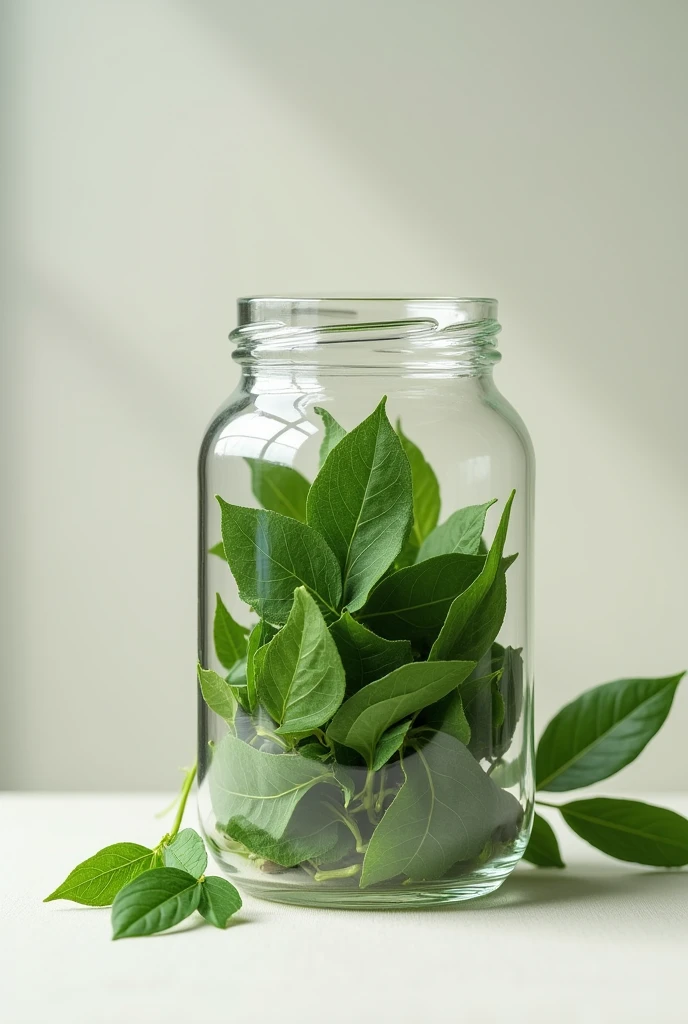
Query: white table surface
point(600, 942)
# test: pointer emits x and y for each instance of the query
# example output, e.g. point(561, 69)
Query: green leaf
point(446, 715)
point(260, 787)
point(219, 901)
point(229, 636)
point(483, 706)
point(602, 731)
point(446, 811)
point(363, 718)
point(543, 848)
point(261, 634)
point(365, 655)
point(314, 751)
point(218, 549)
point(270, 555)
point(279, 488)
point(311, 833)
point(426, 497)
point(630, 830)
point(187, 852)
point(413, 603)
point(154, 902)
point(510, 688)
point(461, 534)
point(299, 673)
point(362, 504)
point(389, 743)
point(346, 780)
point(334, 432)
point(476, 616)
point(96, 881)
point(218, 694)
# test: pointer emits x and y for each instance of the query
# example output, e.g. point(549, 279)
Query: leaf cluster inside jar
point(367, 707)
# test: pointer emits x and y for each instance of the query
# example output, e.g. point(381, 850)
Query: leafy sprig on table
point(589, 740)
point(151, 890)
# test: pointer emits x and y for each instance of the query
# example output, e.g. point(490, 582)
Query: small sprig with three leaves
point(153, 889)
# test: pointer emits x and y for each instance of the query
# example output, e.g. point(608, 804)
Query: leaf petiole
point(183, 797)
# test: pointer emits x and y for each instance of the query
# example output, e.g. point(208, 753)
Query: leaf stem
point(348, 872)
point(266, 734)
point(543, 803)
point(183, 797)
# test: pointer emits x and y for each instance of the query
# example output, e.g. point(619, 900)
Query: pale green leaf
point(96, 881)
point(461, 534)
point(334, 432)
point(218, 694)
point(279, 488)
point(260, 787)
point(187, 852)
point(445, 812)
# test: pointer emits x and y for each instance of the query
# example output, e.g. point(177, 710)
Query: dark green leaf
point(311, 833)
point(426, 498)
point(314, 751)
point(446, 811)
point(299, 674)
point(361, 503)
point(630, 830)
point(461, 534)
point(333, 432)
point(219, 901)
point(413, 603)
point(602, 731)
point(446, 715)
point(483, 706)
point(389, 743)
point(154, 902)
point(187, 852)
point(543, 848)
point(476, 616)
point(363, 718)
point(365, 655)
point(96, 881)
point(262, 788)
point(218, 694)
point(279, 488)
point(261, 634)
point(510, 687)
point(270, 555)
point(229, 636)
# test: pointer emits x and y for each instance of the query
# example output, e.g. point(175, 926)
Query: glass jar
point(365, 638)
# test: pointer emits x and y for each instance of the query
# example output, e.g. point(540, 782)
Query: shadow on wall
point(567, 163)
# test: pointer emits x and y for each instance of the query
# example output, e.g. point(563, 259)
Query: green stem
point(184, 796)
point(348, 872)
point(380, 798)
point(266, 734)
point(368, 794)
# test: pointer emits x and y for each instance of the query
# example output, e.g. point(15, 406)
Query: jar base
point(428, 894)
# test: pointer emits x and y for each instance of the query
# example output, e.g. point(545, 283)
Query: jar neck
point(413, 337)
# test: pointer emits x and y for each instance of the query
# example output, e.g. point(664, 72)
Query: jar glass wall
point(365, 726)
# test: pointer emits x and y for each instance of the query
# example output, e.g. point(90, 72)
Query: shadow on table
point(627, 888)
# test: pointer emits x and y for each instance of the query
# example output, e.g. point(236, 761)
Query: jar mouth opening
point(271, 323)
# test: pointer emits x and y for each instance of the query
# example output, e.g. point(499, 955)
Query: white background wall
point(162, 158)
